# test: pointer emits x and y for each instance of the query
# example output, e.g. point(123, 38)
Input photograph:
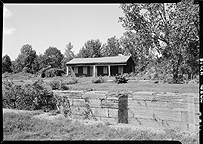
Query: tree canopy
point(53, 57)
point(112, 47)
point(26, 59)
point(170, 28)
point(68, 55)
point(92, 48)
point(132, 45)
point(6, 64)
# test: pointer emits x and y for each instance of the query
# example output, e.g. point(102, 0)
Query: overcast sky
point(55, 25)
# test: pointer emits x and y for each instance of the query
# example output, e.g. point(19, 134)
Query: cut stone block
point(95, 103)
point(178, 106)
point(79, 102)
point(95, 94)
point(101, 112)
point(109, 103)
point(113, 113)
point(144, 122)
point(168, 115)
point(69, 94)
point(141, 113)
point(110, 120)
point(78, 110)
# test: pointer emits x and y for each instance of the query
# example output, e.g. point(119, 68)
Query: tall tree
point(133, 45)
point(53, 57)
point(26, 59)
point(6, 64)
point(92, 48)
point(68, 55)
point(169, 28)
point(112, 48)
point(41, 61)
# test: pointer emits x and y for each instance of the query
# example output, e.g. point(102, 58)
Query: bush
point(52, 72)
point(27, 97)
point(58, 85)
point(128, 75)
point(72, 81)
point(120, 79)
point(98, 80)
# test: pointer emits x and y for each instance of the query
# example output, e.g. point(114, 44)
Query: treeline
point(161, 36)
point(30, 62)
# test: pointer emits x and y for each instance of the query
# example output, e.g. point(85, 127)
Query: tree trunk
point(189, 76)
point(175, 75)
point(176, 68)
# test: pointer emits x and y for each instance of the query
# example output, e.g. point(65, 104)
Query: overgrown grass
point(25, 127)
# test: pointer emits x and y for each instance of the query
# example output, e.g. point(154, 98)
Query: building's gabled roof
point(100, 60)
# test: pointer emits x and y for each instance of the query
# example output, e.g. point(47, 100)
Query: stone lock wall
point(98, 105)
point(148, 109)
point(164, 110)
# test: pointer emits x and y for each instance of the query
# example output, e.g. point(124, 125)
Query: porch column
point(109, 70)
point(67, 70)
point(94, 71)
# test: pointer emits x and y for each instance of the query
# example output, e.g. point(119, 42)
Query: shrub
point(27, 97)
point(120, 79)
point(55, 85)
point(52, 72)
point(72, 81)
point(98, 80)
point(58, 85)
point(132, 74)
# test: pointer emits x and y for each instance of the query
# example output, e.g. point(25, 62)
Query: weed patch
point(25, 127)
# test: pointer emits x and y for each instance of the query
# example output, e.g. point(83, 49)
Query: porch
point(95, 70)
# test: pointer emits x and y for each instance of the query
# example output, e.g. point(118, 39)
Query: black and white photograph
point(101, 72)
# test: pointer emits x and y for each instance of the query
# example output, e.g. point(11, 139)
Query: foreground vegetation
point(27, 97)
point(24, 126)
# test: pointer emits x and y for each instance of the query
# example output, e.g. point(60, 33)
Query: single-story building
point(102, 66)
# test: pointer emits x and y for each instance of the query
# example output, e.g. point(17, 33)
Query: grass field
point(24, 126)
point(85, 83)
point(136, 86)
